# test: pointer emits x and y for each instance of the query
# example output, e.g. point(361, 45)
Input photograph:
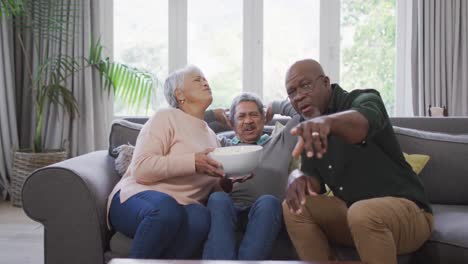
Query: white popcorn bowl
point(238, 160)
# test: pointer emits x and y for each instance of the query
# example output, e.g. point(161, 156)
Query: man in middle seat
point(254, 206)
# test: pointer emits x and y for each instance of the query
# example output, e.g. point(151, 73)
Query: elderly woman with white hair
point(159, 200)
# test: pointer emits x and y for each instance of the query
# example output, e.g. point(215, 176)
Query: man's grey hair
point(245, 97)
point(176, 80)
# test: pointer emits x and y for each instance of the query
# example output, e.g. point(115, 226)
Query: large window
point(141, 41)
point(291, 33)
point(215, 45)
point(247, 45)
point(368, 47)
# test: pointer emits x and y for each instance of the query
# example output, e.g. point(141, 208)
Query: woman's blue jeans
point(159, 226)
point(264, 220)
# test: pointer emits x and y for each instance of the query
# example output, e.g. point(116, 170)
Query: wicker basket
point(24, 163)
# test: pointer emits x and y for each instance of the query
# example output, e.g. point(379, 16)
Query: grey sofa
point(69, 198)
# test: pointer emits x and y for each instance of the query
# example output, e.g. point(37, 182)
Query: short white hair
point(245, 97)
point(176, 80)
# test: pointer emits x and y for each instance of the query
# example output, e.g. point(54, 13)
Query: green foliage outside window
point(369, 61)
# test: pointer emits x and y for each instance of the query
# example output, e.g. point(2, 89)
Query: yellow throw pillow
point(328, 191)
point(417, 161)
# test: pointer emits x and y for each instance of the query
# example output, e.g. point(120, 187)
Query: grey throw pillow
point(124, 155)
point(123, 132)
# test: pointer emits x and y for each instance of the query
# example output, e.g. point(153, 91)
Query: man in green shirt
point(347, 142)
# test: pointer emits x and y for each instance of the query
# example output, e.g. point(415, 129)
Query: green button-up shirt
point(374, 168)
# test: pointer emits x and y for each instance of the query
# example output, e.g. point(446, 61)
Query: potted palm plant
point(52, 23)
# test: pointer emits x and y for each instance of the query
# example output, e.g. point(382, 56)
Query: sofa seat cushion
point(450, 225)
point(449, 240)
point(120, 245)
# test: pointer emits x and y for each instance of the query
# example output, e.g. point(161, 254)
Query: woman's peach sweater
point(164, 159)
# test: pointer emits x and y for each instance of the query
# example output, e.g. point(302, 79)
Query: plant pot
point(26, 162)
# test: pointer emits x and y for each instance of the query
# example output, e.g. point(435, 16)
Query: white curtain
point(8, 128)
point(85, 133)
point(432, 56)
point(89, 130)
point(406, 33)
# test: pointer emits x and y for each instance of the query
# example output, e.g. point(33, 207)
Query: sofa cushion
point(122, 132)
point(446, 176)
point(124, 158)
point(449, 240)
point(450, 225)
point(120, 245)
point(416, 161)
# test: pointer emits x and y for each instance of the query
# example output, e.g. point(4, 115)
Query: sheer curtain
point(406, 57)
point(432, 56)
point(86, 132)
point(8, 128)
point(89, 130)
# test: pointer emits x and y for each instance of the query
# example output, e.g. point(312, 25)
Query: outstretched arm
point(365, 117)
point(313, 134)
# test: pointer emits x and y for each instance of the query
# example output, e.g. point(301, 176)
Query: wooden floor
point(21, 239)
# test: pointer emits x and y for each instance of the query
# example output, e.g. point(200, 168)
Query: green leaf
point(127, 93)
point(131, 85)
point(10, 8)
point(148, 99)
point(135, 97)
point(141, 94)
point(59, 95)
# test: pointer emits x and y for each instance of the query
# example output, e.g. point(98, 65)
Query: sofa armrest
point(69, 199)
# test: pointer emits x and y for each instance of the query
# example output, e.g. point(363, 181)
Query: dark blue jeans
point(264, 220)
point(159, 226)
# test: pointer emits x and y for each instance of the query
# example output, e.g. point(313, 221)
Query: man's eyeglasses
point(303, 87)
